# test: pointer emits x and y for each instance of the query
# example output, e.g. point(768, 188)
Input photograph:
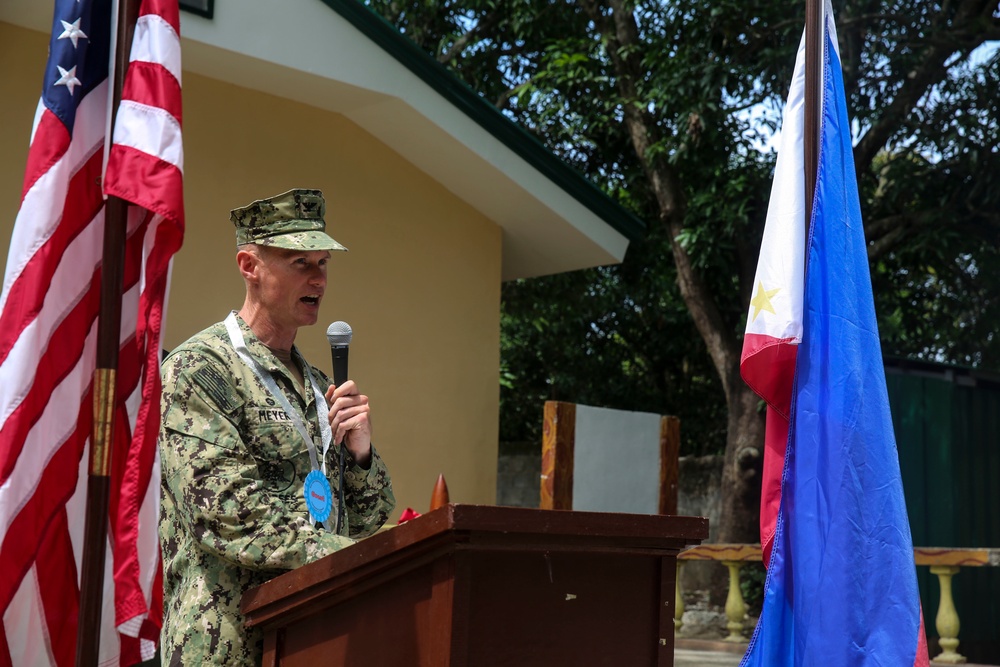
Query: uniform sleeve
point(368, 496)
point(212, 478)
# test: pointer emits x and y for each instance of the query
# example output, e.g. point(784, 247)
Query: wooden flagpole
point(88, 637)
point(814, 60)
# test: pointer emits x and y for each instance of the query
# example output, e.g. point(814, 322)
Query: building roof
point(339, 56)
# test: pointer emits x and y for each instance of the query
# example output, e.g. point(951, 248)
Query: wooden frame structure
point(558, 458)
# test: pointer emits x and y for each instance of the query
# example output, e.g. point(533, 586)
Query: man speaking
point(250, 439)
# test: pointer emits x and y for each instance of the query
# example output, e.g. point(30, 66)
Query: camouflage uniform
point(233, 515)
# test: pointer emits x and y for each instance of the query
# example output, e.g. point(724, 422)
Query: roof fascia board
point(333, 64)
point(373, 86)
point(488, 117)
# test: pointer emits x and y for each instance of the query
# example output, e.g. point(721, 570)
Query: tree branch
point(883, 234)
point(622, 38)
point(966, 34)
point(484, 24)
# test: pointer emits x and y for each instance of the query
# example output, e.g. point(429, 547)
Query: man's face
point(292, 283)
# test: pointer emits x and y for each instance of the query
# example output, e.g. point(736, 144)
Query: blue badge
point(319, 498)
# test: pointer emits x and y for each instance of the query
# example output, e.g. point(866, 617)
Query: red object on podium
point(408, 514)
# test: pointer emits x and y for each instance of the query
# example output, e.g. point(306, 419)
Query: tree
point(669, 107)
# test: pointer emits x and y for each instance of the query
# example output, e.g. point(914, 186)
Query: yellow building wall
point(420, 285)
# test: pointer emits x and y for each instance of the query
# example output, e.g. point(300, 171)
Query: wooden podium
point(483, 586)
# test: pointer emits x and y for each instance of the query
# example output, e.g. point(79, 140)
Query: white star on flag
point(72, 32)
point(68, 78)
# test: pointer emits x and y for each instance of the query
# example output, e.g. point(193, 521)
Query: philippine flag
point(841, 586)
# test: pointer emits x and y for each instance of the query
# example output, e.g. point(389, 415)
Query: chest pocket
point(276, 446)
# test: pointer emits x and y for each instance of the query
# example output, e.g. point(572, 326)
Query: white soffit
point(303, 50)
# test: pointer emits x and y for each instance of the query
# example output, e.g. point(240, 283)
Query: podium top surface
point(473, 527)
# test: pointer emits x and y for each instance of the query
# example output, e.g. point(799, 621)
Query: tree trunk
point(743, 461)
point(739, 515)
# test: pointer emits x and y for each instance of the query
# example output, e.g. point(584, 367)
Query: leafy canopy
point(708, 80)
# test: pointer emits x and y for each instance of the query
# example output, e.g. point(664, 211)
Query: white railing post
point(736, 608)
point(947, 622)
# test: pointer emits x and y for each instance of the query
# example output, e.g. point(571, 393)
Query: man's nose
point(318, 276)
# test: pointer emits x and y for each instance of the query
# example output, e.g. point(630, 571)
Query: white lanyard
point(239, 344)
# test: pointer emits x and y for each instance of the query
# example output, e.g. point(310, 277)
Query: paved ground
point(691, 658)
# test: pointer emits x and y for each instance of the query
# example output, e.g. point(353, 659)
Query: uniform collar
point(270, 362)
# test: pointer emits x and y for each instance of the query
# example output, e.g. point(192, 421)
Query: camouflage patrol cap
point(292, 220)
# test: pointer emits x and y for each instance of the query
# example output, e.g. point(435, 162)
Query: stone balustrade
point(943, 562)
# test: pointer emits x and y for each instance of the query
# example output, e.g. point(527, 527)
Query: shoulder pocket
point(217, 389)
point(204, 405)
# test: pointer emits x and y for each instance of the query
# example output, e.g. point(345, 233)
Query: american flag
point(48, 331)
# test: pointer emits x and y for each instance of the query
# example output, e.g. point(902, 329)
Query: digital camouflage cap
point(292, 220)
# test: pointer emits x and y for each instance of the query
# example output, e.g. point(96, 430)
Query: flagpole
point(814, 60)
point(88, 638)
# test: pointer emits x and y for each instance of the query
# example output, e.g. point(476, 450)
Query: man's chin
point(308, 313)
point(309, 318)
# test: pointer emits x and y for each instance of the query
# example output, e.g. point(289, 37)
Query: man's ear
point(248, 261)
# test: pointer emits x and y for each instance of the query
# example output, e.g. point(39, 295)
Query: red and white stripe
point(774, 320)
point(48, 323)
point(773, 336)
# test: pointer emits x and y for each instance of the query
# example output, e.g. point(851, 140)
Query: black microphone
point(339, 335)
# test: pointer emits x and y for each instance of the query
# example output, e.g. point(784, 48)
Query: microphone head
point(339, 334)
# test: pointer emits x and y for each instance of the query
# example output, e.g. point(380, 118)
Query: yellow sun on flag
point(762, 300)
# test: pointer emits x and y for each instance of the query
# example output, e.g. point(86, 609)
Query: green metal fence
point(947, 423)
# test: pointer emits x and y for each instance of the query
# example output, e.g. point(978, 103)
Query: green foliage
point(575, 337)
point(753, 576)
point(708, 80)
